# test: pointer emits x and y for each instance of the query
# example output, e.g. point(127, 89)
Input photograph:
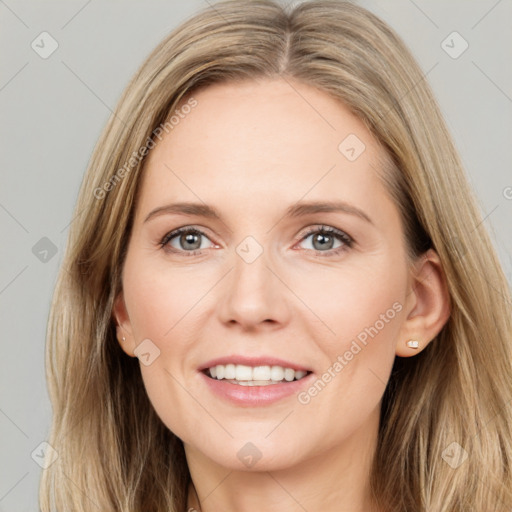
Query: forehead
point(275, 140)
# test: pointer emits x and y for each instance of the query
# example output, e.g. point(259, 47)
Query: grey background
point(53, 110)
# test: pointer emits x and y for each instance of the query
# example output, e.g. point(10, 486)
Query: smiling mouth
point(243, 375)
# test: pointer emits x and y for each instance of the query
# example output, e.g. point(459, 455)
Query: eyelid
point(326, 229)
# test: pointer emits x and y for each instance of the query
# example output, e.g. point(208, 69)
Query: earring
point(124, 339)
point(413, 344)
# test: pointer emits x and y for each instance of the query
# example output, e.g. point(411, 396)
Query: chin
point(255, 454)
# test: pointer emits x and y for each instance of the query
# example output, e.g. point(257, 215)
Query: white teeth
point(230, 371)
point(289, 374)
point(255, 376)
point(261, 373)
point(243, 372)
point(277, 373)
point(253, 382)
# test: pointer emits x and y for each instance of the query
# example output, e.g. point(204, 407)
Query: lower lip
point(252, 396)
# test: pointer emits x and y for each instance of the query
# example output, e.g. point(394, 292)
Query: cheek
point(163, 305)
point(356, 302)
point(364, 309)
point(159, 300)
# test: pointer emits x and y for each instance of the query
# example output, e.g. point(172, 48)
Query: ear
point(427, 304)
point(123, 326)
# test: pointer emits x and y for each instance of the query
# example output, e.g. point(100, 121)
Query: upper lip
point(253, 361)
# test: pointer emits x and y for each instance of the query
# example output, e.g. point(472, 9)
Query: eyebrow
point(296, 210)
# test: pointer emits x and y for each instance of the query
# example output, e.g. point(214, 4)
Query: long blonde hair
point(114, 453)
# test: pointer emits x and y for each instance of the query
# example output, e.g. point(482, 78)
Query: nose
point(253, 295)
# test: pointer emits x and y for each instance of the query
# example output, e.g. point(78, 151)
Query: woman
point(278, 293)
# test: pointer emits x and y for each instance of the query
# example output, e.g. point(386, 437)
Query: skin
point(251, 150)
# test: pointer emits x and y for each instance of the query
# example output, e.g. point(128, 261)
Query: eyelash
point(347, 240)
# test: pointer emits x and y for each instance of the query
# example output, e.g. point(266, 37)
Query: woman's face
point(259, 284)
